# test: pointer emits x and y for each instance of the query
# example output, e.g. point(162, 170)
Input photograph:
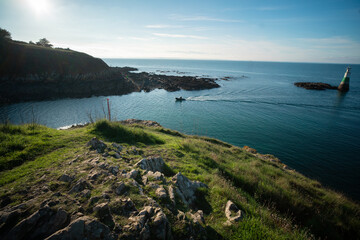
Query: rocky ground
point(96, 198)
point(137, 180)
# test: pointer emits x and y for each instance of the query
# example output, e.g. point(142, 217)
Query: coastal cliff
point(137, 180)
point(30, 72)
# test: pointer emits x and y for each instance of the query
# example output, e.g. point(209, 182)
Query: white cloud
point(178, 36)
point(159, 26)
point(203, 18)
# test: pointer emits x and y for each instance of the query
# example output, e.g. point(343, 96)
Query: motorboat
point(180, 99)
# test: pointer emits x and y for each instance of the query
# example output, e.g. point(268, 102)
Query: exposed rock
point(160, 192)
point(119, 187)
point(102, 212)
point(249, 149)
point(86, 193)
point(149, 223)
point(161, 227)
point(198, 217)
point(124, 207)
point(117, 146)
point(171, 194)
point(232, 212)
point(114, 170)
point(314, 85)
point(83, 228)
point(96, 144)
point(185, 188)
point(151, 164)
point(39, 225)
point(66, 178)
point(79, 186)
point(132, 174)
point(9, 220)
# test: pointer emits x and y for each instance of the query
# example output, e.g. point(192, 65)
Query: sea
point(317, 133)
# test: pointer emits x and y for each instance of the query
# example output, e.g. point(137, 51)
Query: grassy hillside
point(277, 203)
point(21, 58)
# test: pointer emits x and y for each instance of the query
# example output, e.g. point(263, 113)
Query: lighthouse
point(344, 85)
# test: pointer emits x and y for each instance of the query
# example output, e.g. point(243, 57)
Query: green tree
point(44, 42)
point(5, 34)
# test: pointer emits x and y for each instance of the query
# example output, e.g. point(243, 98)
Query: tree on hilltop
point(5, 34)
point(44, 42)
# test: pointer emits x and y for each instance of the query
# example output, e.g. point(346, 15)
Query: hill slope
point(21, 58)
point(156, 183)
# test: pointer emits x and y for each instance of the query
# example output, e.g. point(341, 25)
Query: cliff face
point(18, 58)
point(29, 72)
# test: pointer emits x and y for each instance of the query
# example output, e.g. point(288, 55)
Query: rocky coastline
point(112, 81)
point(314, 85)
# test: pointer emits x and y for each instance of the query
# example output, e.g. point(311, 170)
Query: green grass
point(278, 204)
point(122, 134)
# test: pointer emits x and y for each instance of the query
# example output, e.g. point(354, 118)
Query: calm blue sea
point(315, 132)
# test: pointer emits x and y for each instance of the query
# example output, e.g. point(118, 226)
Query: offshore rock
point(314, 85)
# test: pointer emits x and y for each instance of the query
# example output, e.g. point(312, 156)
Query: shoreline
point(114, 81)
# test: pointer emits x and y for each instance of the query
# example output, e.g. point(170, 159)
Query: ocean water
point(315, 132)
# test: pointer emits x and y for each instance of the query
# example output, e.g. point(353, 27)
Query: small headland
point(315, 85)
point(30, 72)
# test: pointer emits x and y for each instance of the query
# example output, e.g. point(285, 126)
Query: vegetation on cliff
point(62, 173)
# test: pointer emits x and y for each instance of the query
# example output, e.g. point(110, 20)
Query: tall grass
point(115, 132)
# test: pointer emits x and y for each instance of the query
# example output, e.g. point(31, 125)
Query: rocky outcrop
point(153, 164)
point(83, 228)
point(96, 144)
point(39, 225)
point(149, 223)
point(233, 214)
point(185, 188)
point(314, 85)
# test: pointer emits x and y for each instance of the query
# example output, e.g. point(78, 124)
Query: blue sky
point(296, 31)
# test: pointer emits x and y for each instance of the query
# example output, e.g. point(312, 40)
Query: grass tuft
point(116, 132)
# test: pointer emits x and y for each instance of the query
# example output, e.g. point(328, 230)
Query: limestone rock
point(39, 225)
point(66, 178)
point(119, 187)
point(79, 186)
point(171, 194)
point(117, 146)
point(151, 164)
point(96, 144)
point(232, 212)
point(149, 223)
point(160, 192)
point(102, 212)
point(83, 228)
point(185, 188)
point(198, 217)
point(114, 170)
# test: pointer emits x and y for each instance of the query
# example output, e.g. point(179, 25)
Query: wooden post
point(109, 109)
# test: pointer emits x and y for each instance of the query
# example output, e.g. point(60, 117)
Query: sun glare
point(40, 7)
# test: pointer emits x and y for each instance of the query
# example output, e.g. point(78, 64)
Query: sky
point(284, 30)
